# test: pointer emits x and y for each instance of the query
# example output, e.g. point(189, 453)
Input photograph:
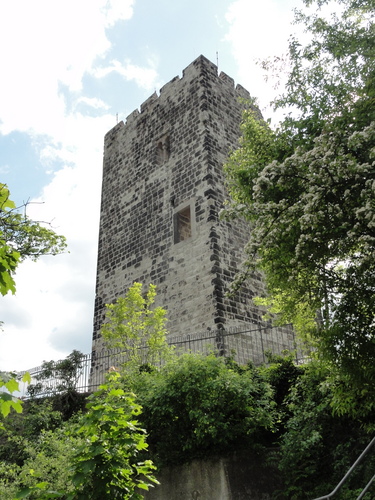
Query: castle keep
point(163, 188)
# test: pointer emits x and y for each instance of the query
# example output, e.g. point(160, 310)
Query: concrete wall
point(240, 477)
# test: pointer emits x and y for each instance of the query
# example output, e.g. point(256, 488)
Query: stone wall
point(163, 188)
point(243, 476)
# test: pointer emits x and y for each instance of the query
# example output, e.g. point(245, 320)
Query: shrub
point(199, 405)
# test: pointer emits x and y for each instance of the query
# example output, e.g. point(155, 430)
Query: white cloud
point(55, 296)
point(146, 78)
point(258, 30)
point(116, 10)
point(4, 169)
point(48, 44)
point(93, 102)
point(30, 337)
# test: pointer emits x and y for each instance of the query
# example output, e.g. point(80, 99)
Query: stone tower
point(163, 188)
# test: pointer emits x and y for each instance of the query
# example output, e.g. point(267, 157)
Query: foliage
point(9, 257)
point(9, 474)
point(198, 406)
point(58, 381)
point(34, 448)
point(21, 237)
point(135, 326)
point(96, 456)
point(331, 79)
point(9, 385)
point(47, 465)
point(317, 447)
point(105, 465)
point(22, 430)
point(282, 374)
point(58, 376)
point(194, 406)
point(308, 190)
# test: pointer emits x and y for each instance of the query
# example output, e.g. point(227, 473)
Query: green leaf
point(26, 378)
point(24, 493)
point(143, 486)
point(17, 405)
point(5, 407)
point(12, 385)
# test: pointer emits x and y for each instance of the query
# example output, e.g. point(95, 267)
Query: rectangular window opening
point(182, 225)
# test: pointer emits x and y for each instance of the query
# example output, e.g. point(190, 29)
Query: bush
point(23, 429)
point(48, 459)
point(318, 447)
point(107, 463)
point(199, 405)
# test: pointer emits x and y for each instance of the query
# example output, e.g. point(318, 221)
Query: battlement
point(201, 66)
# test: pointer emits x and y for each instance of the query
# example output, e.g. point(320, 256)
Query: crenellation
point(147, 104)
point(132, 116)
point(242, 92)
point(200, 67)
point(227, 79)
point(111, 135)
point(170, 88)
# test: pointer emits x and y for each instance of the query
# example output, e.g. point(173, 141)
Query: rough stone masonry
point(163, 188)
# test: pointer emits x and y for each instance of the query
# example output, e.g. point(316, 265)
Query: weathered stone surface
point(242, 476)
point(167, 159)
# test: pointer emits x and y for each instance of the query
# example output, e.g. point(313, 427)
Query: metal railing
point(250, 343)
point(346, 477)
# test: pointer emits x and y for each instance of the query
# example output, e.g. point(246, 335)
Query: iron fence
point(244, 344)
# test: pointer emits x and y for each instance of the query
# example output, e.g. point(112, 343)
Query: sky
point(69, 70)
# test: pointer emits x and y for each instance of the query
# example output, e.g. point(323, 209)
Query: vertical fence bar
point(240, 340)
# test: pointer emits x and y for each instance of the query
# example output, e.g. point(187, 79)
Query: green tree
point(58, 380)
point(24, 429)
point(317, 447)
point(58, 376)
point(135, 326)
point(8, 386)
point(21, 237)
point(282, 374)
point(107, 464)
point(308, 190)
point(97, 456)
point(45, 470)
point(9, 257)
